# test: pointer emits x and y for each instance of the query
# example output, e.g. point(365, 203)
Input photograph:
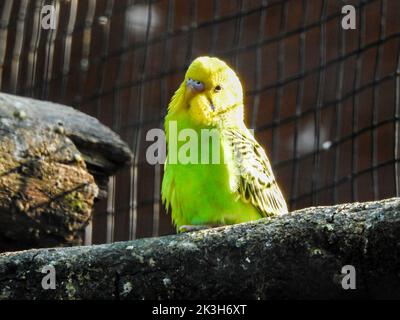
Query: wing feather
point(253, 176)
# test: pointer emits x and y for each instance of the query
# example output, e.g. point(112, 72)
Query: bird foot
point(191, 228)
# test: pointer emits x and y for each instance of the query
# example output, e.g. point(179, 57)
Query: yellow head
point(211, 92)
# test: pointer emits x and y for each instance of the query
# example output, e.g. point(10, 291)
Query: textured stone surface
point(299, 255)
point(46, 192)
point(53, 160)
point(100, 146)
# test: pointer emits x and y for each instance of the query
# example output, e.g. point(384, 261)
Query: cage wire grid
point(324, 102)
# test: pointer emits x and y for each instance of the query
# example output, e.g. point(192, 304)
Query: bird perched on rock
point(215, 173)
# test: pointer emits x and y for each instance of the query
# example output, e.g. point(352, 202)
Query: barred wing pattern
point(254, 180)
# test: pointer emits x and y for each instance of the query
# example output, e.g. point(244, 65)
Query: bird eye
point(217, 88)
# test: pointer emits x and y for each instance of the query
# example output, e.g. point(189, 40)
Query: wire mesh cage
point(324, 101)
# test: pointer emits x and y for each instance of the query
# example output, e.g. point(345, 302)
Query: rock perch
point(298, 255)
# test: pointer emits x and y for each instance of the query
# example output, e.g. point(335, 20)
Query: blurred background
point(324, 102)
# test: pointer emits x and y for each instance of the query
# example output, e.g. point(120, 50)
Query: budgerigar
point(240, 186)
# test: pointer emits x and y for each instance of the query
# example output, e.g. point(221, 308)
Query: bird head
point(210, 92)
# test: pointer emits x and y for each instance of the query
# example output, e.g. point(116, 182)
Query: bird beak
point(194, 86)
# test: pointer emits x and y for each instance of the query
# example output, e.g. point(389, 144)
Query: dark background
point(324, 102)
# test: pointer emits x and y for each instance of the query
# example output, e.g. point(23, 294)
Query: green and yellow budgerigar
point(240, 186)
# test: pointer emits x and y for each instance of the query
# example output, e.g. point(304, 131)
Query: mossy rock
point(46, 191)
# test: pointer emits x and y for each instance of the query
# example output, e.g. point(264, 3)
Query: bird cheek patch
point(200, 110)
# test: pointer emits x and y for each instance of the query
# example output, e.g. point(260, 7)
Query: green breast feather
point(241, 187)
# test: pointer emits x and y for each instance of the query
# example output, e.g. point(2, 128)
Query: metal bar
point(19, 40)
point(73, 10)
point(214, 32)
point(105, 22)
point(33, 48)
point(193, 18)
point(259, 65)
point(116, 121)
point(293, 118)
point(277, 84)
point(319, 102)
point(338, 109)
point(354, 125)
point(375, 95)
point(110, 209)
point(237, 37)
point(118, 222)
point(4, 23)
point(139, 45)
point(396, 119)
point(163, 102)
point(299, 101)
point(346, 179)
point(137, 144)
point(51, 37)
point(329, 103)
point(336, 143)
point(279, 91)
point(229, 52)
point(83, 66)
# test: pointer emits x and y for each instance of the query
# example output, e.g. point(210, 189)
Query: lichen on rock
point(46, 196)
point(54, 162)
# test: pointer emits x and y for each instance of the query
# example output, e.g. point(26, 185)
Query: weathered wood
point(47, 191)
point(298, 255)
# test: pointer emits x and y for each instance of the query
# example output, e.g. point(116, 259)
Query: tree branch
point(299, 255)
